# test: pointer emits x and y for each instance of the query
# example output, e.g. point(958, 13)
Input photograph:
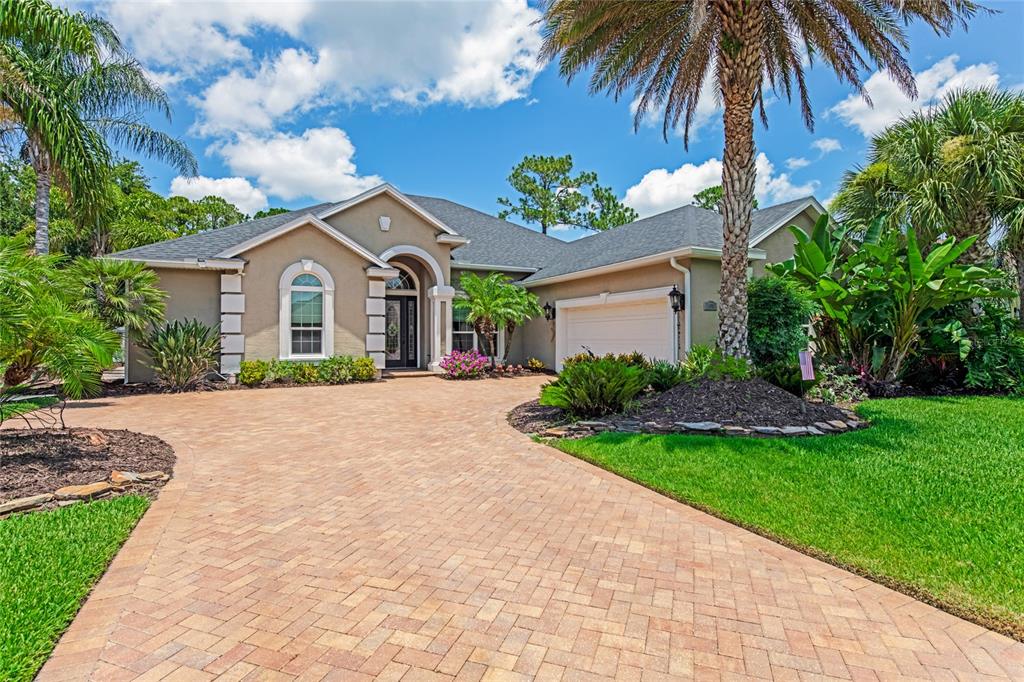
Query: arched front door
point(401, 321)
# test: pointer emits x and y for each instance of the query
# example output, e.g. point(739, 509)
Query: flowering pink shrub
point(468, 364)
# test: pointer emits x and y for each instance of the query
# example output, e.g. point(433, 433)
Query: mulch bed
point(749, 402)
point(532, 417)
point(36, 461)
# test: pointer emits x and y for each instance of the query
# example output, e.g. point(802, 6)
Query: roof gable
point(307, 219)
point(391, 191)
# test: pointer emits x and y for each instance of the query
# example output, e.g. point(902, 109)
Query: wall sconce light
point(677, 298)
point(549, 311)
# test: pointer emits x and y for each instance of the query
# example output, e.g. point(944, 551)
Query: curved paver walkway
point(402, 530)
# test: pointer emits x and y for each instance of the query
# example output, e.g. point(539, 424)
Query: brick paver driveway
point(402, 530)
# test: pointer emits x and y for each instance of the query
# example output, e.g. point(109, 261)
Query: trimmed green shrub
point(595, 388)
point(182, 353)
point(253, 372)
point(335, 370)
point(707, 362)
point(779, 310)
point(665, 375)
point(363, 369)
point(786, 376)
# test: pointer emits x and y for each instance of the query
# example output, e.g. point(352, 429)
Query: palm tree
point(956, 170)
point(522, 305)
point(663, 50)
point(123, 294)
point(109, 99)
point(488, 305)
point(41, 332)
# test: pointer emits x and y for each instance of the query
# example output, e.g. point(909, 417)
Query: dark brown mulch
point(532, 417)
point(750, 402)
point(36, 461)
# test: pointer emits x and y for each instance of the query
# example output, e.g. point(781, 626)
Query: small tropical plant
point(708, 362)
point(253, 372)
point(182, 353)
point(596, 388)
point(665, 375)
point(535, 365)
point(468, 364)
point(836, 385)
point(363, 369)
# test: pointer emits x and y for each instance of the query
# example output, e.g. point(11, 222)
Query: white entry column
point(232, 341)
point(439, 296)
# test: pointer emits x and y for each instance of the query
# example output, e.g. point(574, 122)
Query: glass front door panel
point(400, 331)
point(392, 330)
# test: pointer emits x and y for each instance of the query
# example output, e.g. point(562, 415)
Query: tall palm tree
point(957, 169)
point(110, 98)
point(489, 304)
point(663, 51)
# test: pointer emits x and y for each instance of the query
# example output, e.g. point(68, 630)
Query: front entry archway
point(401, 319)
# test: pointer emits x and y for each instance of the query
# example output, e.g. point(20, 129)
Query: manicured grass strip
point(14, 408)
point(930, 498)
point(48, 563)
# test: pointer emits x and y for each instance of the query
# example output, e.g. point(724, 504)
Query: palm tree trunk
point(740, 73)
point(44, 181)
point(1018, 262)
point(979, 222)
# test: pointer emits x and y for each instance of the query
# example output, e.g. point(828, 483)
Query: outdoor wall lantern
point(549, 311)
point(678, 299)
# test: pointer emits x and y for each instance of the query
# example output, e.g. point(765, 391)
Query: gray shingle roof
point(674, 229)
point(209, 244)
point(500, 243)
point(493, 241)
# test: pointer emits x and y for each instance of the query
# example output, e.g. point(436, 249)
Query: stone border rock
point(120, 483)
point(583, 429)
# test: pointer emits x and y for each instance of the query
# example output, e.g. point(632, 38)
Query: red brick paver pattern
point(402, 531)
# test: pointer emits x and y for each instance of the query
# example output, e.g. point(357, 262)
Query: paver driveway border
point(385, 539)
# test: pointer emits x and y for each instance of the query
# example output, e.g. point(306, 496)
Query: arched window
point(307, 315)
point(306, 323)
point(403, 281)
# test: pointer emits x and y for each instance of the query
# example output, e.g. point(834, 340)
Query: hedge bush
point(339, 369)
point(779, 311)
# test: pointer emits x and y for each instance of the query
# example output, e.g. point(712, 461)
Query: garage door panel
point(641, 326)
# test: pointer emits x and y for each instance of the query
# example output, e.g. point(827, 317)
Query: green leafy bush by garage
point(665, 375)
point(779, 312)
point(182, 353)
point(339, 369)
point(708, 362)
point(596, 387)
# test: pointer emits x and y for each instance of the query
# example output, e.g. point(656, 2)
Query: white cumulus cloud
point(662, 190)
point(237, 191)
point(797, 162)
point(319, 163)
point(890, 104)
point(827, 145)
point(413, 52)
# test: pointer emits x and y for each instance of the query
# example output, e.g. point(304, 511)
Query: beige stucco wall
point(779, 245)
point(360, 222)
point(190, 294)
point(261, 286)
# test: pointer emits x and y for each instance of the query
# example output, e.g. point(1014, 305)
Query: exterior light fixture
point(549, 311)
point(677, 298)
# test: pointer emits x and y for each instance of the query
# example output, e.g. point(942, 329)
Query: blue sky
point(288, 104)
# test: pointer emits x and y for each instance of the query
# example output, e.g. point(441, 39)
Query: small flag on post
point(806, 365)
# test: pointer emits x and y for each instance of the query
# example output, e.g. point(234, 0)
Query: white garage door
point(643, 325)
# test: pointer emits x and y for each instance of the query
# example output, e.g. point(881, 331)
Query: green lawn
point(48, 563)
point(11, 409)
point(930, 497)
